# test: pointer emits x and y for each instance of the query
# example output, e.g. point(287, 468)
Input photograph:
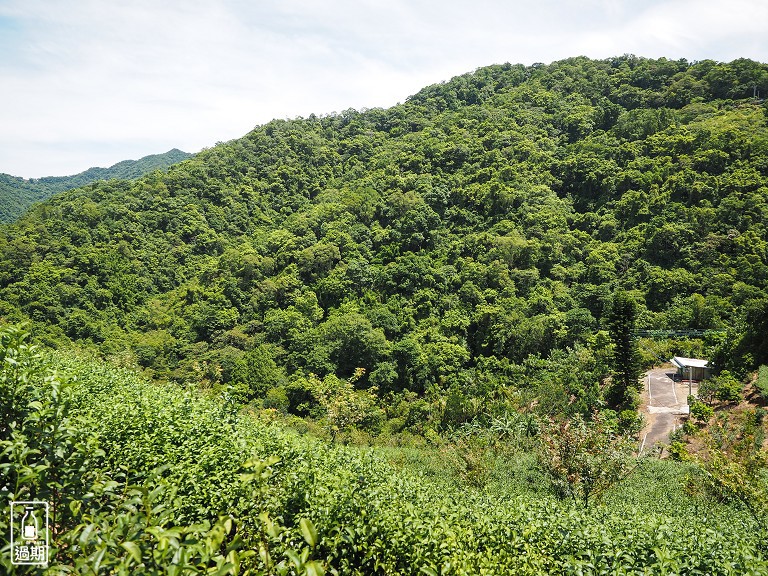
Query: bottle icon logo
point(29, 525)
point(29, 533)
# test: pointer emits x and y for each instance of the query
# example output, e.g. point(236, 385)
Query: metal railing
point(690, 333)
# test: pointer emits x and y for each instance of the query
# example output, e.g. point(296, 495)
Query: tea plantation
point(145, 478)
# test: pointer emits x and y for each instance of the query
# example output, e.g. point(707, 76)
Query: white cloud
point(87, 82)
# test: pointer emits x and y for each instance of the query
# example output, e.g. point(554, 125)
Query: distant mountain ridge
point(18, 194)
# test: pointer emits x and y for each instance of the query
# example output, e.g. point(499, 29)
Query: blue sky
point(91, 82)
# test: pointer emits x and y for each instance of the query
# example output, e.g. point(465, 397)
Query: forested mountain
point(466, 241)
point(457, 280)
point(17, 194)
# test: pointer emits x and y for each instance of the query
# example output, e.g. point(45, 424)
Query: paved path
point(664, 401)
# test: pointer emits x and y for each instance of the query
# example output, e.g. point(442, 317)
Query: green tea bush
point(156, 479)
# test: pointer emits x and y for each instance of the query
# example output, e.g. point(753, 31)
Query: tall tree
point(626, 357)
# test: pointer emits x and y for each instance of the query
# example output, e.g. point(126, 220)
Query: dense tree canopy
point(473, 236)
point(18, 194)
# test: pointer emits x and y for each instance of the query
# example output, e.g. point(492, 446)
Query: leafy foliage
point(469, 264)
point(472, 238)
point(17, 194)
point(723, 387)
point(585, 458)
point(343, 405)
point(175, 482)
point(762, 381)
point(626, 357)
point(735, 463)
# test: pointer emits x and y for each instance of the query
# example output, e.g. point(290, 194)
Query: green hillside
point(451, 287)
point(147, 479)
point(17, 194)
point(471, 237)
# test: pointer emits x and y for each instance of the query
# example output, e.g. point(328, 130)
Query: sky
point(92, 82)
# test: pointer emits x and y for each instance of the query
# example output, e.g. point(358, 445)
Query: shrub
point(701, 412)
point(276, 398)
point(344, 406)
point(301, 397)
point(176, 482)
point(689, 428)
point(724, 387)
point(762, 381)
point(678, 451)
point(735, 463)
point(630, 422)
point(584, 458)
point(728, 388)
point(706, 393)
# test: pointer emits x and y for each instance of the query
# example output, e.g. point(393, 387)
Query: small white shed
point(692, 368)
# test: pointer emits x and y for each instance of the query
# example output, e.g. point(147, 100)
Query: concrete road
point(664, 401)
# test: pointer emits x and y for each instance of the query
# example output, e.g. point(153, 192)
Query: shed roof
point(681, 362)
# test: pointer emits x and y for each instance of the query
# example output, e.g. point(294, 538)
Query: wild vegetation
point(469, 239)
point(18, 194)
point(458, 280)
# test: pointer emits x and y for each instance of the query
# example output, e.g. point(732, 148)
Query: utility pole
point(690, 380)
